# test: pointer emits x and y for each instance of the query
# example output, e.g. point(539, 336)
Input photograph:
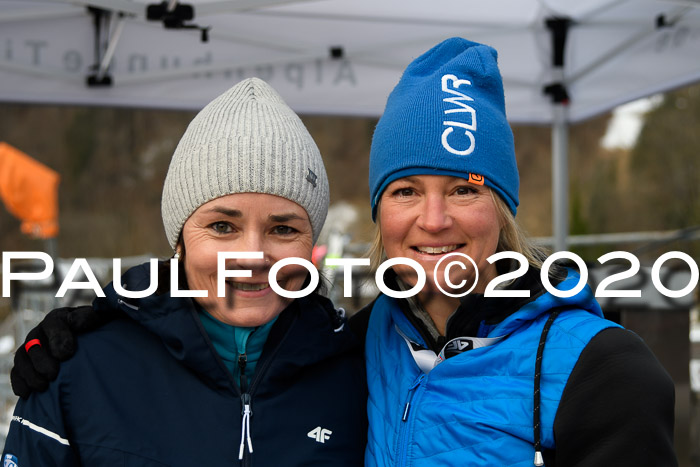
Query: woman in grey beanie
point(189, 375)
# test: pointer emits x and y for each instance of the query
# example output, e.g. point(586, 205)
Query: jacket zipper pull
point(411, 391)
point(246, 412)
point(405, 411)
point(242, 361)
point(245, 426)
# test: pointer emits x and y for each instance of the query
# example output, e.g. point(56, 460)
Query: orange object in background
point(29, 190)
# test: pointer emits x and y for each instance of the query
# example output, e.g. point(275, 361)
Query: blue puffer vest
point(475, 408)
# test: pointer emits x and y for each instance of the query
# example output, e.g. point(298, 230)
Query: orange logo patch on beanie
point(476, 179)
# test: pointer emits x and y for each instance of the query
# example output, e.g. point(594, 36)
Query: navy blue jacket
point(148, 389)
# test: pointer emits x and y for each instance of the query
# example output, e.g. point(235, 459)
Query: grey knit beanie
point(247, 140)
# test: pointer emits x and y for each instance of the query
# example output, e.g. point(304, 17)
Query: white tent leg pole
point(560, 178)
point(111, 47)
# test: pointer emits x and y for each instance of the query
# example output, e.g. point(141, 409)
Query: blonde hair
point(511, 238)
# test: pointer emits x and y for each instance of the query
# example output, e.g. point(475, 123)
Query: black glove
point(49, 343)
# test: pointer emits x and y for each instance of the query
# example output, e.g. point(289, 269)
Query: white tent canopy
point(345, 56)
point(615, 51)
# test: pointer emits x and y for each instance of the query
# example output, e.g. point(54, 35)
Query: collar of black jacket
point(307, 331)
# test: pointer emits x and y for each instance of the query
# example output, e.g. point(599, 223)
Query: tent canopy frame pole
point(560, 178)
point(559, 28)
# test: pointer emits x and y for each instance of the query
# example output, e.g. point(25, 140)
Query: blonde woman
point(460, 373)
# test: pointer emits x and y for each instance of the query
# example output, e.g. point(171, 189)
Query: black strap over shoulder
point(539, 461)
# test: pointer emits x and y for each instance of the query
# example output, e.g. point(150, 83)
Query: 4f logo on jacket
point(321, 435)
point(457, 346)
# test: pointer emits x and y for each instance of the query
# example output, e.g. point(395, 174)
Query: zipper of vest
point(404, 426)
point(247, 412)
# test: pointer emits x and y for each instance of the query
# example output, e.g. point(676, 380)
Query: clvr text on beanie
point(447, 116)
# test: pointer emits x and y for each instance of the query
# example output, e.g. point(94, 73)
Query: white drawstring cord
point(245, 432)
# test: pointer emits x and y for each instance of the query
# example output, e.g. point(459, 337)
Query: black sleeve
point(617, 407)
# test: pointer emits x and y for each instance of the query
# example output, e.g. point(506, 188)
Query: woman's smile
point(438, 250)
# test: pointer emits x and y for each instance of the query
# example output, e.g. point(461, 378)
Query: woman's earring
point(177, 255)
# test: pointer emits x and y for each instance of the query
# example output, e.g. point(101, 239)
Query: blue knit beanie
point(447, 116)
